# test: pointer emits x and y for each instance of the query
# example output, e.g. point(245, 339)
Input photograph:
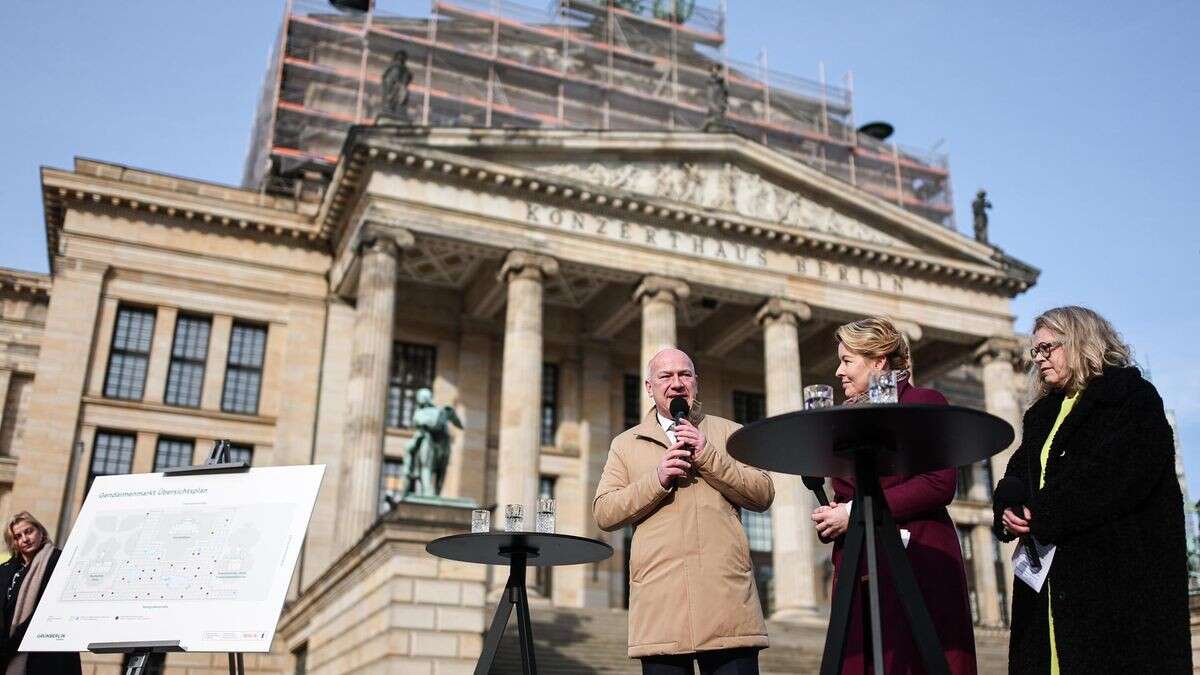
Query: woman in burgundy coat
point(918, 503)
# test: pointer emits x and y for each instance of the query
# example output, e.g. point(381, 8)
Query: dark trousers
point(716, 662)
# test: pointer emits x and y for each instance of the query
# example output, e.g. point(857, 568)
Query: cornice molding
point(366, 152)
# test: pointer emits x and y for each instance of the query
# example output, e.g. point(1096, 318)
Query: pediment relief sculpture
point(722, 187)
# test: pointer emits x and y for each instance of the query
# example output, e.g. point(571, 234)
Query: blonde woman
point(918, 503)
point(23, 579)
point(1097, 461)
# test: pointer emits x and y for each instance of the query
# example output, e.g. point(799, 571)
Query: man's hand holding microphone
point(677, 460)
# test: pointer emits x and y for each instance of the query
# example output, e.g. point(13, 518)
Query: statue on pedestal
point(428, 453)
point(395, 82)
point(979, 209)
point(718, 101)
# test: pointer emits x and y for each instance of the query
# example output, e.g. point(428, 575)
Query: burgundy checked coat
point(918, 504)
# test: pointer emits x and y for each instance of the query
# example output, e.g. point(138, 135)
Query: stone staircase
point(592, 641)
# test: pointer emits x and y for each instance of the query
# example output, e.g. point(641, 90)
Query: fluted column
point(793, 549)
point(997, 359)
point(366, 400)
point(659, 298)
point(521, 382)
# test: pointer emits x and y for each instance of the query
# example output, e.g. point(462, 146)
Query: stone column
point(366, 400)
point(521, 382)
point(794, 540)
point(985, 575)
point(997, 358)
point(659, 297)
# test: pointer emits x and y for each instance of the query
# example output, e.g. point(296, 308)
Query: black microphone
point(679, 409)
point(1010, 493)
point(817, 485)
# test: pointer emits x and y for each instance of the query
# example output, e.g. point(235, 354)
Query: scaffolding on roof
point(585, 64)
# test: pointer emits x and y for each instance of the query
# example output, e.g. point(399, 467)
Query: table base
point(871, 523)
point(514, 595)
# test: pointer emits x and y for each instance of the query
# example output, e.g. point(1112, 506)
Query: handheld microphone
point(679, 409)
point(1010, 493)
point(817, 485)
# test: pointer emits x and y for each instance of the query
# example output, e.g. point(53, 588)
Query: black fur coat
point(1113, 507)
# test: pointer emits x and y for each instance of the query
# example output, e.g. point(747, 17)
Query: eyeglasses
point(1043, 348)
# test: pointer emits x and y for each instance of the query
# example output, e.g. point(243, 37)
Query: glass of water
point(514, 518)
point(544, 522)
point(481, 520)
point(882, 386)
point(818, 396)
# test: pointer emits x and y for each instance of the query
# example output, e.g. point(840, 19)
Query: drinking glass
point(818, 396)
point(882, 386)
point(514, 518)
point(544, 521)
point(481, 520)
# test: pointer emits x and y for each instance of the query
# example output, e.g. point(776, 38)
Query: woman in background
point(1097, 459)
point(918, 504)
point(23, 579)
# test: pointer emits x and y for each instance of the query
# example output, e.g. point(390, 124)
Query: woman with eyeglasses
point(1096, 465)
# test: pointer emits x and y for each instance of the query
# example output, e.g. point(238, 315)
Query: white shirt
point(666, 423)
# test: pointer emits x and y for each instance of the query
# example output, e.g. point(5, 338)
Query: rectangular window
point(748, 407)
point(112, 454)
point(544, 576)
point(632, 390)
point(986, 471)
point(301, 655)
point(549, 402)
point(1001, 580)
point(130, 354)
point(968, 553)
point(173, 452)
point(413, 367)
point(966, 478)
point(189, 351)
point(240, 451)
point(243, 372)
point(391, 482)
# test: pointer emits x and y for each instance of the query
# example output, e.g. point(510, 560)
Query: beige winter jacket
point(691, 585)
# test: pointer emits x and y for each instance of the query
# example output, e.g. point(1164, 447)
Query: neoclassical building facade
point(525, 276)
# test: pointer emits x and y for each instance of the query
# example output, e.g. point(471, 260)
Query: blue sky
point(1078, 118)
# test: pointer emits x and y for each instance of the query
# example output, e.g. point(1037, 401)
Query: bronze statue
point(428, 453)
point(979, 209)
point(718, 100)
point(395, 83)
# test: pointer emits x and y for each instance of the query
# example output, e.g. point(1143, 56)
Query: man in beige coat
point(691, 586)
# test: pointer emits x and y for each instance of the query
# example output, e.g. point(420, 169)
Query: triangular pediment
point(721, 187)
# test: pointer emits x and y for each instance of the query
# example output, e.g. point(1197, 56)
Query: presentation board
point(204, 559)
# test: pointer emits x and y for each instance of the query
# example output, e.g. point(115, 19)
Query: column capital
point(911, 330)
point(384, 238)
point(655, 287)
point(782, 309)
point(527, 265)
point(999, 348)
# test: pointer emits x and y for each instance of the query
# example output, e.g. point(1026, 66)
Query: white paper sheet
point(1023, 567)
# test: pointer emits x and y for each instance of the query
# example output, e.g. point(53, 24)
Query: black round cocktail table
point(517, 550)
point(865, 442)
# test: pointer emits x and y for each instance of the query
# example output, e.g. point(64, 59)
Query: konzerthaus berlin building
point(525, 275)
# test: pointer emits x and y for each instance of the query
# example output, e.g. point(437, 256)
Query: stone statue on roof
point(395, 82)
point(979, 209)
point(717, 94)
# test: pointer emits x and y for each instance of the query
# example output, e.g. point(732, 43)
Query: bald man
point(692, 596)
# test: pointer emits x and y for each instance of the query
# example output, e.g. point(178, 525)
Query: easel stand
point(218, 462)
point(871, 523)
point(514, 595)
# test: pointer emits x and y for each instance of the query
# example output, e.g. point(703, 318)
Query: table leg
point(868, 509)
point(909, 593)
point(514, 595)
point(843, 598)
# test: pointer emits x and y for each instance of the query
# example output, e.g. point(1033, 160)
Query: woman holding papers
point(23, 579)
point(1094, 477)
point(918, 503)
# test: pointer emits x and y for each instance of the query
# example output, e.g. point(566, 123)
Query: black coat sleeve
point(1018, 467)
point(1113, 476)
